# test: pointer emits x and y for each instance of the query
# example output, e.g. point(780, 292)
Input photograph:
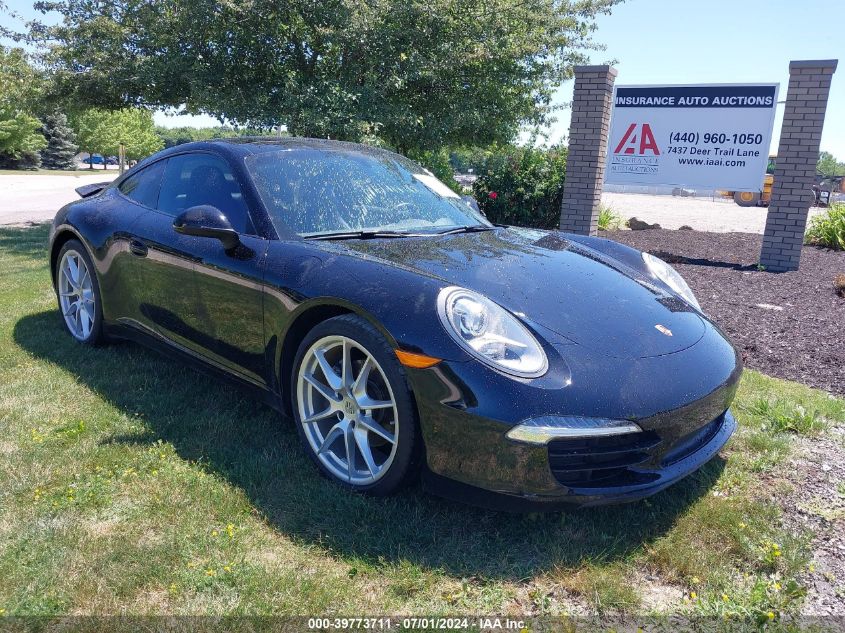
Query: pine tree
point(61, 143)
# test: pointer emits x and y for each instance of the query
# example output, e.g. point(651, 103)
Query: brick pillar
point(588, 131)
point(798, 153)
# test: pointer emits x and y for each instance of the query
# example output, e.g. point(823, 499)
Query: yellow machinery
point(754, 198)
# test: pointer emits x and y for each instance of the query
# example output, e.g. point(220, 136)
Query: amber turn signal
point(417, 361)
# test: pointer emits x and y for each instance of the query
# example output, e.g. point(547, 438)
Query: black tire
point(405, 462)
point(96, 335)
point(747, 198)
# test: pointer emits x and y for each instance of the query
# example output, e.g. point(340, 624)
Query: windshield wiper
point(371, 235)
point(472, 228)
point(360, 235)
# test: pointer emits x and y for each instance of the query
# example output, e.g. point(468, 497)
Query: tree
point(464, 159)
point(95, 133)
point(61, 146)
point(103, 131)
point(5, 31)
point(20, 140)
point(828, 165)
point(419, 74)
point(21, 85)
point(19, 90)
point(137, 133)
point(178, 135)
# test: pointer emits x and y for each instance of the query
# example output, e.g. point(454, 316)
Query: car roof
point(239, 147)
point(262, 144)
point(250, 145)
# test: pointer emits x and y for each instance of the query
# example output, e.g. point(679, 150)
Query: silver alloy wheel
point(347, 410)
point(76, 295)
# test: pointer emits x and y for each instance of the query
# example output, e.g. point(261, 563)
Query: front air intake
point(601, 461)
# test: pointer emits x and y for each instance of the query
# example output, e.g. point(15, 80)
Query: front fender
point(398, 302)
point(631, 257)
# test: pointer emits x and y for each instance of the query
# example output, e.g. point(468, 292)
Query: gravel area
point(815, 502)
point(702, 214)
point(789, 325)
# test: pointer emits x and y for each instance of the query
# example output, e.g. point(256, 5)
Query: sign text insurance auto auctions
point(709, 136)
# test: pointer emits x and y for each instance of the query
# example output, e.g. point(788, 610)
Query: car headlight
point(669, 276)
point(490, 333)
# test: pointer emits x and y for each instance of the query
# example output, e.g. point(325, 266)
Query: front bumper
point(681, 401)
point(623, 485)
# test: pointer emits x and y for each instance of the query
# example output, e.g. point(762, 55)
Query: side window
point(194, 179)
point(143, 186)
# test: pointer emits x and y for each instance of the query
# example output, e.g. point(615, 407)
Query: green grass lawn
point(129, 484)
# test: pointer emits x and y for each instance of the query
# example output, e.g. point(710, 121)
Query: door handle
point(137, 247)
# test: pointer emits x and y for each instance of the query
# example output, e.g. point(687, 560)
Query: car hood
point(586, 296)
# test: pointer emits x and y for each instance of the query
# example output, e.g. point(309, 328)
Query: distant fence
point(667, 190)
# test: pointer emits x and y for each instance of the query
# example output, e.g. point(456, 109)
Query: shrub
point(522, 186)
point(608, 220)
point(828, 229)
point(24, 159)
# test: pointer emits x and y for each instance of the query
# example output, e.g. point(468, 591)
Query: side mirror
point(207, 221)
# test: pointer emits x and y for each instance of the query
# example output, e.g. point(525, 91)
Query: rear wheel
point(78, 294)
point(353, 406)
point(747, 198)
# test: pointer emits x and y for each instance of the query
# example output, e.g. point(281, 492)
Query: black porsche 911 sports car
point(398, 327)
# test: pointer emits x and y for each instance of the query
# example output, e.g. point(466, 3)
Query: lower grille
point(602, 461)
point(612, 460)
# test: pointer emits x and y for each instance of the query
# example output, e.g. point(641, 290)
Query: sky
point(721, 41)
point(694, 42)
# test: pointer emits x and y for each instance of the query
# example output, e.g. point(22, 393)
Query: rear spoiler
point(86, 191)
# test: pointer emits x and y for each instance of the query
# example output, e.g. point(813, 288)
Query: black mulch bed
point(804, 342)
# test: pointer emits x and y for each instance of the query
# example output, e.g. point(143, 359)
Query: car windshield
point(318, 192)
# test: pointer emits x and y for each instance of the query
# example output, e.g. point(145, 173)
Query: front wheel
point(353, 407)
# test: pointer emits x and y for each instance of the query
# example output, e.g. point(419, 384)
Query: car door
point(227, 323)
point(161, 275)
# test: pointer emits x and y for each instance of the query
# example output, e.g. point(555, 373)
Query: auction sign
point(708, 136)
